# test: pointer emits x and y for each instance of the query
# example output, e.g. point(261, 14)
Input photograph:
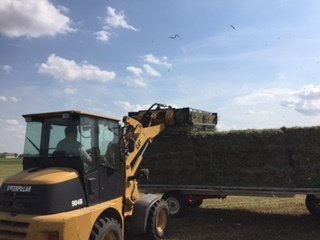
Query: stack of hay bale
point(286, 157)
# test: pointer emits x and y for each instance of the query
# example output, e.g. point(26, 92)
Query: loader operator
point(70, 146)
point(112, 153)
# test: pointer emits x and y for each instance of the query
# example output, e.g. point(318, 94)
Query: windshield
point(47, 137)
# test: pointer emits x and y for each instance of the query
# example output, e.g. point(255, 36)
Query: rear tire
point(177, 203)
point(157, 220)
point(313, 204)
point(106, 229)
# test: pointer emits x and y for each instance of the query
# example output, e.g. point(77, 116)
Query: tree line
point(10, 155)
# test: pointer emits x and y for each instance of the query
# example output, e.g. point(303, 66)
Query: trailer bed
point(225, 191)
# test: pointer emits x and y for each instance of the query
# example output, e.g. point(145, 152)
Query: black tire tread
point(151, 233)
point(311, 204)
point(100, 225)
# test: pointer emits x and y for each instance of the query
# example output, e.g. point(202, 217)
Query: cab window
point(109, 144)
point(33, 139)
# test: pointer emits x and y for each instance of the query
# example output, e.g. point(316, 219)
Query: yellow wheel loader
point(80, 179)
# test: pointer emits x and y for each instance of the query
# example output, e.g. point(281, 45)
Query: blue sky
point(256, 63)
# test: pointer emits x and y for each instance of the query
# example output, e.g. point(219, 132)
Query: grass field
point(233, 218)
point(247, 218)
point(9, 166)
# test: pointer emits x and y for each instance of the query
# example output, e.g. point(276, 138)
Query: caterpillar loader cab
point(80, 178)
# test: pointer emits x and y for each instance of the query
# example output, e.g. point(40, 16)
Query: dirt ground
point(246, 218)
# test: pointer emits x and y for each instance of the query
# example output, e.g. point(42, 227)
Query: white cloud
point(135, 70)
point(15, 99)
point(7, 68)
point(150, 58)
point(127, 106)
point(7, 99)
point(14, 131)
point(151, 71)
point(63, 9)
point(309, 92)
point(140, 82)
point(103, 36)
point(3, 99)
point(262, 96)
point(70, 90)
point(13, 128)
point(32, 18)
point(113, 20)
point(261, 113)
point(305, 100)
point(12, 122)
point(68, 70)
point(137, 78)
point(254, 98)
point(117, 20)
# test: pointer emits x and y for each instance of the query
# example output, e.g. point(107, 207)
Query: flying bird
point(233, 27)
point(175, 36)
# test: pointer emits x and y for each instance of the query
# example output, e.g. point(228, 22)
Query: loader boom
point(138, 133)
point(144, 136)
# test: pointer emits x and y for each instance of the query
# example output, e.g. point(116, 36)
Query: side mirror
point(131, 145)
point(143, 174)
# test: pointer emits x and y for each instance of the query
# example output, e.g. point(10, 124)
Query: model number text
point(75, 203)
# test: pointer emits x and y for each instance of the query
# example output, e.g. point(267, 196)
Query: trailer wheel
point(194, 203)
point(157, 220)
point(106, 229)
point(313, 204)
point(177, 203)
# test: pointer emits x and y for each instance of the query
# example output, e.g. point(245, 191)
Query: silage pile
point(287, 157)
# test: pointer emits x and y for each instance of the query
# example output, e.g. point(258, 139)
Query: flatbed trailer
point(180, 197)
point(193, 161)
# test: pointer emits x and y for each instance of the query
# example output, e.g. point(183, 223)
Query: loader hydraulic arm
point(139, 131)
point(142, 136)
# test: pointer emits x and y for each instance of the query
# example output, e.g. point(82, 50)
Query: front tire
point(313, 204)
point(106, 229)
point(157, 220)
